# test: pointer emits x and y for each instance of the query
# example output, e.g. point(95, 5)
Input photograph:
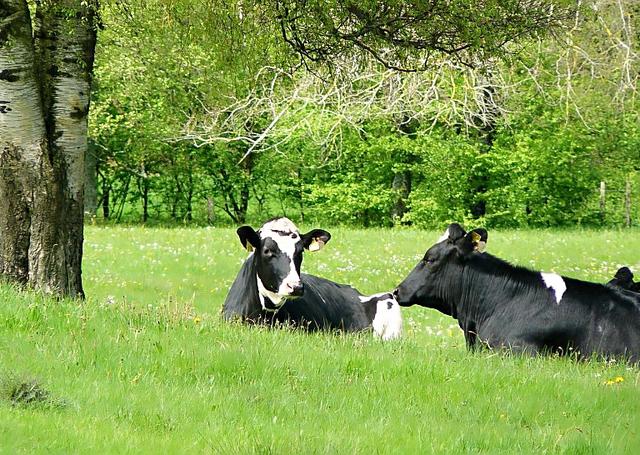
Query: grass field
point(145, 365)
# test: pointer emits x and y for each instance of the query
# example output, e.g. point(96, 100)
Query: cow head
point(623, 279)
point(428, 282)
point(277, 253)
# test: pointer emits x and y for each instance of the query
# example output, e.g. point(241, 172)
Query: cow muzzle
point(296, 290)
point(401, 299)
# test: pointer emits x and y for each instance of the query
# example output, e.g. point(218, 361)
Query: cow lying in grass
point(623, 279)
point(270, 288)
point(505, 306)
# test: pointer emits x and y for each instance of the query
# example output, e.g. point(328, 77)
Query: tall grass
point(145, 365)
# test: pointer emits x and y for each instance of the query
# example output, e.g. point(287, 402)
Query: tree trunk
point(401, 186)
point(145, 199)
point(211, 218)
point(44, 86)
point(106, 192)
point(190, 196)
point(487, 118)
point(175, 197)
point(245, 189)
point(23, 142)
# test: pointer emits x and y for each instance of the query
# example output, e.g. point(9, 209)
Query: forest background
point(199, 116)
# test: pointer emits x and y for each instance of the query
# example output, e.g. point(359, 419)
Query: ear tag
point(478, 245)
point(249, 247)
point(316, 245)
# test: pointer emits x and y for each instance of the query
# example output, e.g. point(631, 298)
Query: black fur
point(501, 305)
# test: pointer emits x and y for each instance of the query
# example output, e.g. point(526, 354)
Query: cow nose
point(297, 290)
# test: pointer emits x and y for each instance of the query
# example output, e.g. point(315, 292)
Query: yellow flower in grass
point(197, 320)
point(616, 380)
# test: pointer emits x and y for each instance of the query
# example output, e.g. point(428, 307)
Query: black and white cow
point(270, 288)
point(501, 305)
point(623, 279)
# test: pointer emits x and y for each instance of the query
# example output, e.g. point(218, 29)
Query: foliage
point(540, 176)
point(407, 35)
point(192, 125)
point(145, 90)
point(444, 172)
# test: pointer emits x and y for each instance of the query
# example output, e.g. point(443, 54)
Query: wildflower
point(197, 320)
point(616, 380)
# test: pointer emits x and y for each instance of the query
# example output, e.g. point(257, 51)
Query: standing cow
point(501, 305)
point(270, 288)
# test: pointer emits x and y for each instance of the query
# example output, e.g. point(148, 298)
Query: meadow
point(145, 364)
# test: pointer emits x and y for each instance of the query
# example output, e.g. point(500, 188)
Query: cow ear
point(479, 238)
point(249, 238)
point(473, 241)
point(455, 232)
point(624, 274)
point(315, 239)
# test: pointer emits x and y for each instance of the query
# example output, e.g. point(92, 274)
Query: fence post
point(603, 192)
point(627, 203)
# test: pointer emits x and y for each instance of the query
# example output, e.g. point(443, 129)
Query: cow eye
point(266, 252)
point(294, 235)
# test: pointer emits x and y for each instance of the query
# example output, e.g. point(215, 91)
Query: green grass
point(145, 365)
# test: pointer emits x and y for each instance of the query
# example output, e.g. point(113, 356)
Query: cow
point(500, 305)
point(269, 289)
point(623, 279)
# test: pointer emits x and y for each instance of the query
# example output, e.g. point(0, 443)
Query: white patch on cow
point(286, 235)
point(444, 237)
point(264, 293)
point(555, 282)
point(279, 225)
point(387, 323)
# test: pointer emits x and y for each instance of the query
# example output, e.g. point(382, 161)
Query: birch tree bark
point(44, 98)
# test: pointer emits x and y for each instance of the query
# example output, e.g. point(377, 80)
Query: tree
point(401, 36)
point(45, 78)
point(405, 35)
point(158, 64)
